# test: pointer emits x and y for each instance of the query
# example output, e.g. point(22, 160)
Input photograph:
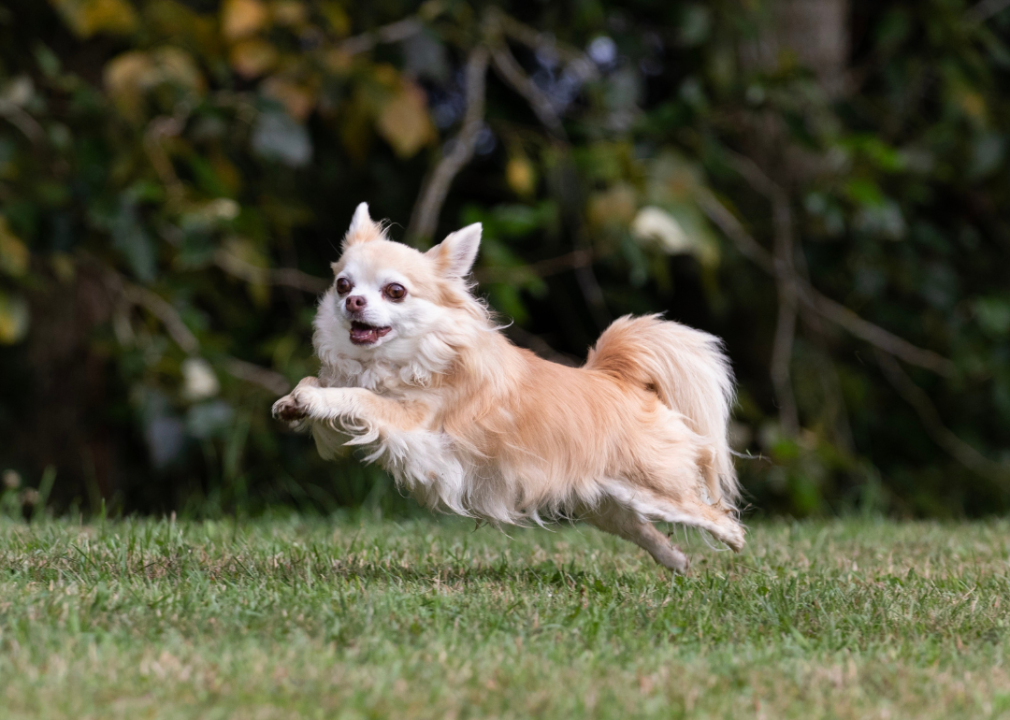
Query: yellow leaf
point(615, 206)
point(289, 13)
point(521, 176)
point(88, 17)
point(672, 178)
point(297, 99)
point(404, 121)
point(431, 9)
point(126, 72)
point(337, 17)
point(242, 18)
point(125, 79)
point(337, 61)
point(13, 318)
point(210, 214)
point(63, 267)
point(356, 120)
point(251, 58)
point(225, 171)
point(246, 252)
point(187, 28)
point(387, 75)
point(14, 255)
point(973, 104)
point(129, 76)
point(178, 67)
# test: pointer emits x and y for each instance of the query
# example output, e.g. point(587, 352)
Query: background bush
point(822, 183)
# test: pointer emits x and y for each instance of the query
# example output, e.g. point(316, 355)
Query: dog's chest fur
point(424, 461)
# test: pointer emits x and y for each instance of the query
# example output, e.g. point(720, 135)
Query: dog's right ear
point(363, 229)
point(456, 254)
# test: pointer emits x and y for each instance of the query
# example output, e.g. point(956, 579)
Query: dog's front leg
point(359, 411)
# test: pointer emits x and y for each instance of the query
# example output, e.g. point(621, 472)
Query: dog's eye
point(395, 291)
point(344, 286)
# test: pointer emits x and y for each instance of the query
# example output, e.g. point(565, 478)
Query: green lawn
point(345, 618)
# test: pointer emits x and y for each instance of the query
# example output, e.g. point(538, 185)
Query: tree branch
point(593, 294)
point(256, 375)
point(785, 325)
point(512, 73)
point(735, 231)
point(157, 131)
point(876, 335)
point(543, 268)
point(957, 448)
point(784, 263)
point(187, 341)
point(394, 32)
point(811, 298)
point(509, 69)
point(536, 40)
point(22, 121)
point(167, 314)
point(835, 399)
point(986, 9)
point(424, 219)
point(287, 277)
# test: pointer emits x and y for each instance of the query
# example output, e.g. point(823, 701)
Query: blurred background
point(823, 183)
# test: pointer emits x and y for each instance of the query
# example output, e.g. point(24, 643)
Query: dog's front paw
point(289, 409)
point(293, 407)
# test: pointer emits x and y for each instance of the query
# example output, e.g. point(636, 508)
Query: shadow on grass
point(294, 570)
point(541, 574)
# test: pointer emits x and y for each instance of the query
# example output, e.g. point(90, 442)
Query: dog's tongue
point(362, 334)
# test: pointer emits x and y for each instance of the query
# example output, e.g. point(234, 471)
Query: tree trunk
point(817, 32)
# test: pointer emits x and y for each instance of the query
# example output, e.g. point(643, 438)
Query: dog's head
point(387, 297)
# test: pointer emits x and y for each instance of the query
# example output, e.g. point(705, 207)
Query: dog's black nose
point(356, 303)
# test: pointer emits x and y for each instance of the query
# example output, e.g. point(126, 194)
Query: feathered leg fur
point(618, 519)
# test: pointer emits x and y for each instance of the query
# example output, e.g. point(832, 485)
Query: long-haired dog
point(413, 367)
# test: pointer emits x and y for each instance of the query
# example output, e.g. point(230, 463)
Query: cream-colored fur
point(467, 422)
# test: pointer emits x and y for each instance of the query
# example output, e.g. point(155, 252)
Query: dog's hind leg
point(694, 513)
point(684, 506)
point(619, 520)
point(721, 522)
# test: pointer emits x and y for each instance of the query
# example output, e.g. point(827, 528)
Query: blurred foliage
point(175, 176)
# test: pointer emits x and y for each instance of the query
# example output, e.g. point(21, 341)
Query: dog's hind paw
point(734, 537)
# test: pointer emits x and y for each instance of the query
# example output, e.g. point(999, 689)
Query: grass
point(351, 618)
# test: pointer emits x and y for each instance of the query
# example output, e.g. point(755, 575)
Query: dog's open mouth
point(365, 334)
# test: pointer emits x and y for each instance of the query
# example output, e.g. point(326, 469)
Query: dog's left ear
point(363, 228)
point(456, 254)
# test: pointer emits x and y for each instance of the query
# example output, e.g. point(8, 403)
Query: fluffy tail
point(689, 372)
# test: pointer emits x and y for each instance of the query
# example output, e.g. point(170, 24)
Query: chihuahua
point(414, 368)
